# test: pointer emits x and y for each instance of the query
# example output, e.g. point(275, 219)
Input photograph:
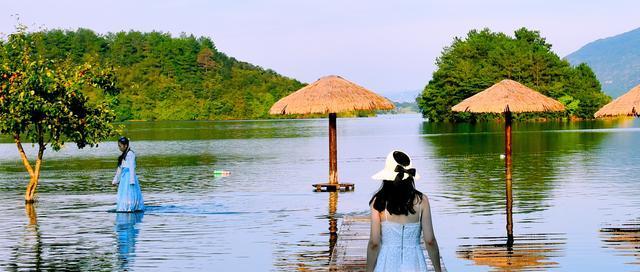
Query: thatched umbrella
point(506, 97)
point(626, 105)
point(331, 95)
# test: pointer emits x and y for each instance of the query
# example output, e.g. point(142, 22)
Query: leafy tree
point(484, 58)
point(43, 101)
point(171, 78)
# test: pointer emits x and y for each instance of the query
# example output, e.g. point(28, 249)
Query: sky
point(389, 47)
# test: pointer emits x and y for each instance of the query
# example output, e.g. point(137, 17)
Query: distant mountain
point(615, 60)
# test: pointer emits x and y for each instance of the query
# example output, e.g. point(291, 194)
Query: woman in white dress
point(399, 215)
point(129, 192)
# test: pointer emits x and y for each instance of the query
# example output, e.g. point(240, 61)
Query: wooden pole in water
point(507, 151)
point(333, 150)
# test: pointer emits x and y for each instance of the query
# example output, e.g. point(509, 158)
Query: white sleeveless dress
point(400, 248)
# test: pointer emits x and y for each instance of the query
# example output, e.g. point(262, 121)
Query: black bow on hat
point(401, 171)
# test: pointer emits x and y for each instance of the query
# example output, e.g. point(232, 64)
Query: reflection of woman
point(399, 215)
point(129, 193)
point(127, 234)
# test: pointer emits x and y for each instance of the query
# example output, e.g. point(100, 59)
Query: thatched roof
point(627, 104)
point(330, 94)
point(508, 95)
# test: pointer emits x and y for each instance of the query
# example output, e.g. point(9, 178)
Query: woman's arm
point(131, 164)
point(428, 235)
point(374, 240)
point(116, 177)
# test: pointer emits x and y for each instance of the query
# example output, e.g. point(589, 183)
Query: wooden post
point(333, 150)
point(507, 151)
point(507, 146)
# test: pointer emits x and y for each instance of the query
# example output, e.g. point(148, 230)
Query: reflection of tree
point(36, 253)
point(127, 234)
point(528, 252)
point(30, 250)
point(625, 240)
point(210, 130)
point(475, 174)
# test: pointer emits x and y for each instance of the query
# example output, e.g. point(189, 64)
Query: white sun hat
point(392, 168)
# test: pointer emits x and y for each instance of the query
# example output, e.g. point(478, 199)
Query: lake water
point(575, 186)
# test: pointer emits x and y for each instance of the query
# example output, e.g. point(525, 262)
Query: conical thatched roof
point(508, 95)
point(627, 104)
point(330, 94)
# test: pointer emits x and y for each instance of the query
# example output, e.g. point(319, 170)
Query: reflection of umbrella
point(331, 95)
point(628, 104)
point(532, 251)
point(506, 97)
point(625, 239)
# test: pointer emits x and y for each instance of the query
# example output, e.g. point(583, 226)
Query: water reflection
point(509, 197)
point(625, 240)
point(127, 234)
point(315, 256)
point(28, 253)
point(528, 252)
point(333, 221)
point(470, 163)
point(205, 130)
point(484, 183)
point(36, 251)
point(557, 176)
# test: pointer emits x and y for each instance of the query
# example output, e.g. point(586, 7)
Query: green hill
point(482, 58)
point(615, 61)
point(172, 78)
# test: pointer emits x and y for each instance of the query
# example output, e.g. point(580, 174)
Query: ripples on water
point(574, 186)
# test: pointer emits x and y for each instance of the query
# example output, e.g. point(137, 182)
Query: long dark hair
point(397, 196)
point(123, 140)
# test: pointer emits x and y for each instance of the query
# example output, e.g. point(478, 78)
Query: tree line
point(169, 78)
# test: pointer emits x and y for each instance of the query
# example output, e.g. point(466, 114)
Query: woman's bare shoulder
point(424, 200)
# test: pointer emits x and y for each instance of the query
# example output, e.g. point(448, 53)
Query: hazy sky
point(387, 46)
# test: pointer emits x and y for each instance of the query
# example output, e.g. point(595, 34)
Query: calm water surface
point(575, 188)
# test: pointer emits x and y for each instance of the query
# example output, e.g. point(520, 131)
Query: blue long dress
point(129, 193)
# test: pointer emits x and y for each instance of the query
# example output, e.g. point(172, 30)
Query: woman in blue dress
point(129, 193)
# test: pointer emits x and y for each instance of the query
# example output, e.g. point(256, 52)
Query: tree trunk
point(29, 195)
point(25, 161)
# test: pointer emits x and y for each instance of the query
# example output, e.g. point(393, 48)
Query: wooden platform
point(350, 252)
point(329, 187)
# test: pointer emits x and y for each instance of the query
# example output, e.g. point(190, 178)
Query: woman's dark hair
point(124, 141)
point(397, 196)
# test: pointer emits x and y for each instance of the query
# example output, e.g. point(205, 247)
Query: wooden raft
point(350, 252)
point(332, 187)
